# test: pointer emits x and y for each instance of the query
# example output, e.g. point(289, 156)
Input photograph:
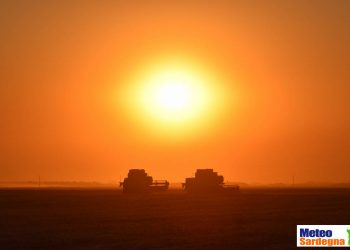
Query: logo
point(323, 235)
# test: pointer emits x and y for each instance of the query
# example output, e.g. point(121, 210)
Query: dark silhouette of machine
point(139, 182)
point(206, 180)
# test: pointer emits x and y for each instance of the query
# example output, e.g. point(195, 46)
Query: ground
point(107, 219)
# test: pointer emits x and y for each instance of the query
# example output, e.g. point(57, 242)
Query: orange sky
point(287, 61)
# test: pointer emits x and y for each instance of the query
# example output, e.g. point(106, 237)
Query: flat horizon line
point(96, 184)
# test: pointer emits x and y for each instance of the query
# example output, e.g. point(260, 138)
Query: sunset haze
point(264, 90)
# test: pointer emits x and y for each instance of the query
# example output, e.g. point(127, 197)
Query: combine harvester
point(139, 182)
point(207, 181)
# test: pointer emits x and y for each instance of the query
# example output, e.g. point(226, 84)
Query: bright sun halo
point(174, 98)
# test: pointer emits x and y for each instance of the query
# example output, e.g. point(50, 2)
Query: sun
point(173, 98)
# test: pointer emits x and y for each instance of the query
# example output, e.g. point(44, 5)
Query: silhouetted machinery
point(206, 180)
point(138, 181)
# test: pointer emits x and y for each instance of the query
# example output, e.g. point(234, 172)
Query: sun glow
point(175, 97)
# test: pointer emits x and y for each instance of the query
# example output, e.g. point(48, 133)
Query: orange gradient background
point(284, 66)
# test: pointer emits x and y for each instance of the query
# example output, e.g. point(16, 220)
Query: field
point(105, 218)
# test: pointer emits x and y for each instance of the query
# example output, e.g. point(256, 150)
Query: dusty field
point(105, 219)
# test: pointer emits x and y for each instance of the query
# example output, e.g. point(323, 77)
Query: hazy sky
point(287, 62)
